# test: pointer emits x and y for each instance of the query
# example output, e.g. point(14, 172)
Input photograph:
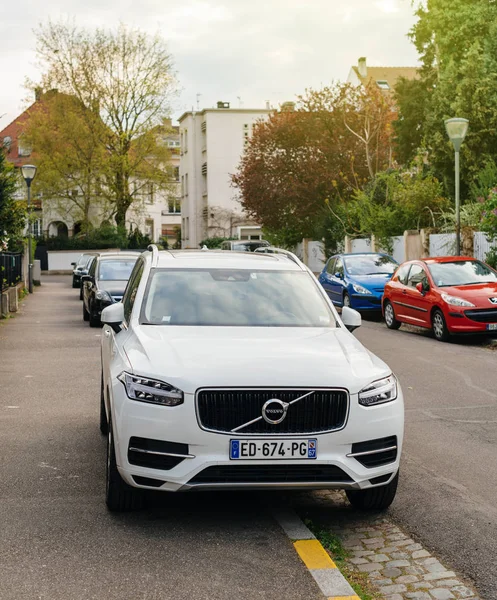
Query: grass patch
point(333, 545)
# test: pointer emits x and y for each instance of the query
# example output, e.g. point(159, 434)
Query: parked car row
point(102, 279)
point(450, 295)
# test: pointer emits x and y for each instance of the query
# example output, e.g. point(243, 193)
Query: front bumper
point(207, 449)
point(461, 320)
point(366, 301)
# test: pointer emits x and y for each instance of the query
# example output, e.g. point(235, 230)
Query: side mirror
point(73, 264)
point(423, 287)
point(351, 318)
point(113, 315)
point(86, 278)
point(338, 275)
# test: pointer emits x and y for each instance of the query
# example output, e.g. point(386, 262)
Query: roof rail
point(272, 250)
point(155, 253)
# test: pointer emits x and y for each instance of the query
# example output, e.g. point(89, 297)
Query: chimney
point(288, 107)
point(363, 68)
point(268, 105)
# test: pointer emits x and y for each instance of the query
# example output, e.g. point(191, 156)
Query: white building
point(212, 143)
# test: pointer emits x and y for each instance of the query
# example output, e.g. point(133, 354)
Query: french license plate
point(491, 326)
point(273, 449)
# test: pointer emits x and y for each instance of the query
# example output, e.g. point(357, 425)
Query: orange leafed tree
point(297, 161)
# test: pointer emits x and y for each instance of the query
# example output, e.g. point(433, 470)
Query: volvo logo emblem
point(493, 300)
point(274, 411)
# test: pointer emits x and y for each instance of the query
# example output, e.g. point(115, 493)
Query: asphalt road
point(57, 540)
point(448, 490)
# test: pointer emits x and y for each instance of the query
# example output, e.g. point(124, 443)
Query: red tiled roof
point(14, 131)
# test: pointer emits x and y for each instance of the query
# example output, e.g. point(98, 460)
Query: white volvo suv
point(224, 370)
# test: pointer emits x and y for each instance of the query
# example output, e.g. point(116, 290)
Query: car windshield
point(218, 297)
point(370, 264)
point(461, 272)
point(116, 270)
point(248, 246)
point(84, 259)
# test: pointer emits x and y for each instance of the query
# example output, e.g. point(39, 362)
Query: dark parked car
point(105, 283)
point(243, 245)
point(81, 268)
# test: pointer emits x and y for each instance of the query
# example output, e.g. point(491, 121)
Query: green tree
point(457, 43)
point(125, 77)
point(12, 212)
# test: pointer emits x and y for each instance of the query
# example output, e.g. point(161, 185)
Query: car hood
point(370, 281)
point(115, 288)
point(194, 357)
point(478, 294)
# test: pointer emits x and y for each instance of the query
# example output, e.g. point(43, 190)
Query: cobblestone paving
point(399, 567)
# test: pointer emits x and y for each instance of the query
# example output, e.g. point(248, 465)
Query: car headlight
point(379, 392)
point(152, 391)
point(103, 295)
point(455, 301)
point(359, 289)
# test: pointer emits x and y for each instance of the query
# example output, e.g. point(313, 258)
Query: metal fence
point(10, 269)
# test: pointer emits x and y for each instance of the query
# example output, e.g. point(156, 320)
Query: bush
point(491, 258)
point(102, 238)
point(214, 242)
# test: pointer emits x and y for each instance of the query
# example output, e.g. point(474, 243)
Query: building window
point(174, 205)
point(151, 192)
point(383, 84)
point(149, 228)
point(184, 141)
point(187, 228)
point(186, 184)
point(22, 148)
point(182, 185)
point(36, 228)
point(176, 173)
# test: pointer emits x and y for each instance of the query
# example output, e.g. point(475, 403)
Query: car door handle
point(404, 291)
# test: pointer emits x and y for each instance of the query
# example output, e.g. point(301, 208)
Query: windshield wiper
point(379, 273)
point(471, 283)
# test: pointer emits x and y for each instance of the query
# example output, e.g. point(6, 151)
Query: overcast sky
point(238, 51)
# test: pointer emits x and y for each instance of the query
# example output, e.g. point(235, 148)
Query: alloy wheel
point(389, 316)
point(438, 325)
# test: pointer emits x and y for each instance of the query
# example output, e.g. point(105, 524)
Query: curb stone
point(326, 574)
point(394, 563)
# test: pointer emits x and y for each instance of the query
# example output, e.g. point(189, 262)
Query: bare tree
point(126, 78)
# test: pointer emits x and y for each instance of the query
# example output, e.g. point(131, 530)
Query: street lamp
point(456, 130)
point(29, 172)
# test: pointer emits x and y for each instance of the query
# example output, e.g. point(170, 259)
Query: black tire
point(104, 425)
point(119, 496)
point(377, 498)
point(346, 300)
point(94, 319)
point(390, 320)
point(439, 326)
point(81, 292)
point(86, 314)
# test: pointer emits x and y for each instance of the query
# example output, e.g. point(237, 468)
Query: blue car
point(357, 280)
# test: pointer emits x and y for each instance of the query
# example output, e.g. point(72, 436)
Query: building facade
point(154, 211)
point(384, 77)
point(212, 142)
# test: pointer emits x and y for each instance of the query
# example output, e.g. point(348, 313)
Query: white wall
point(60, 260)
point(442, 244)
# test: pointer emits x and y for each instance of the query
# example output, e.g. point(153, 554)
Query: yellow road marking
point(314, 555)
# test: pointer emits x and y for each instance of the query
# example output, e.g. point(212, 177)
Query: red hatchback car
point(449, 294)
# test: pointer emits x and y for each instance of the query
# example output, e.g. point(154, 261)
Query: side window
point(339, 266)
point(93, 266)
point(131, 289)
point(330, 267)
point(402, 273)
point(416, 275)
